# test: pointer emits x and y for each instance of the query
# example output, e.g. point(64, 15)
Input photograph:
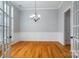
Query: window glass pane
point(8, 21)
point(74, 19)
point(0, 11)
point(77, 5)
point(4, 20)
point(5, 7)
point(5, 29)
point(78, 33)
point(78, 17)
point(74, 32)
point(1, 4)
point(74, 7)
point(12, 9)
point(1, 31)
point(5, 35)
point(0, 44)
point(1, 35)
point(8, 9)
point(1, 20)
point(78, 48)
point(8, 34)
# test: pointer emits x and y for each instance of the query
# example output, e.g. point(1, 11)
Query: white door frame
point(70, 20)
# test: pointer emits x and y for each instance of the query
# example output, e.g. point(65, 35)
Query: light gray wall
point(16, 20)
point(47, 23)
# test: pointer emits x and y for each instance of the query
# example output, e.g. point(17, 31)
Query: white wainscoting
point(39, 36)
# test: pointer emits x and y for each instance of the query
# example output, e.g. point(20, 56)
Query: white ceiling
point(27, 5)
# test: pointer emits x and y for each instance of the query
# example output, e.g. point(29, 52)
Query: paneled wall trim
point(39, 36)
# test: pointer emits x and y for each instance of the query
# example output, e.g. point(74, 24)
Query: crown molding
point(22, 9)
point(60, 4)
point(39, 9)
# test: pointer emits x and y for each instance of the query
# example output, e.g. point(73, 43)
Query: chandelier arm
point(35, 8)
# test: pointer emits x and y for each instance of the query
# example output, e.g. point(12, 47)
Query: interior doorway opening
point(67, 38)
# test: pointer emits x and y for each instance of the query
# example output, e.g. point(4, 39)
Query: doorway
point(67, 28)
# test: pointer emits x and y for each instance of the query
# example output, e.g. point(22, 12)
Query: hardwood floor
point(68, 46)
point(0, 52)
point(39, 50)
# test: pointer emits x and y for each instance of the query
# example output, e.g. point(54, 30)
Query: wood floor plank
point(39, 50)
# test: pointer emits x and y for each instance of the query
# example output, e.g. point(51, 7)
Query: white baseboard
point(38, 40)
point(15, 41)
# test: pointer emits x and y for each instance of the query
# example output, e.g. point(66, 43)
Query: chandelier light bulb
point(33, 15)
point(39, 16)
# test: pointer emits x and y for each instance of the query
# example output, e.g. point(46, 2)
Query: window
point(12, 9)
point(5, 7)
point(8, 9)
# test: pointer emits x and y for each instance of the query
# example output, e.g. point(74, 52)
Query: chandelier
point(35, 16)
